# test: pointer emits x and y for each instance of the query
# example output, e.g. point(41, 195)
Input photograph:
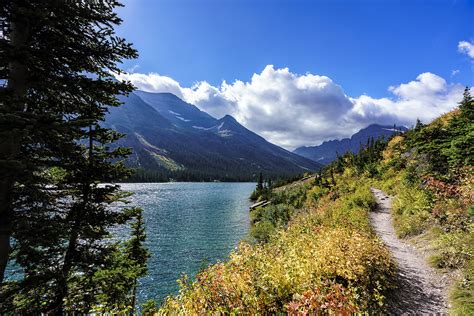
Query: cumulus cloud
point(286, 108)
point(425, 98)
point(152, 82)
point(291, 109)
point(466, 48)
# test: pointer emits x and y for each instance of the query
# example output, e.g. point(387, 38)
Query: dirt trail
point(420, 290)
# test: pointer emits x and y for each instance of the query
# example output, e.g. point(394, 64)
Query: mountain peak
point(175, 139)
point(170, 95)
point(161, 96)
point(374, 130)
point(228, 118)
point(156, 93)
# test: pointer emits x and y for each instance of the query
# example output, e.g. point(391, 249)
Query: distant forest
point(144, 175)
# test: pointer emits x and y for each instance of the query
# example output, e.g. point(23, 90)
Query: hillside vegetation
point(314, 250)
point(429, 170)
point(327, 258)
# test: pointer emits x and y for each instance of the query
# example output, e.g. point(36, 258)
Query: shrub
point(326, 261)
point(455, 249)
point(411, 210)
point(262, 231)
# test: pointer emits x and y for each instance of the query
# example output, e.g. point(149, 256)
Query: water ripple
point(188, 224)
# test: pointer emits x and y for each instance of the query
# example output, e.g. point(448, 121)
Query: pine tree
point(13, 35)
point(57, 58)
point(260, 183)
point(418, 125)
point(120, 280)
point(333, 180)
point(460, 151)
point(269, 184)
point(466, 106)
point(137, 253)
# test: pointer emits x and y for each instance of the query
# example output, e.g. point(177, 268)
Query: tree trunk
point(70, 255)
point(134, 297)
point(10, 141)
point(58, 305)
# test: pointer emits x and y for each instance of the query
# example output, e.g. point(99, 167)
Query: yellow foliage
point(444, 119)
point(326, 261)
point(394, 149)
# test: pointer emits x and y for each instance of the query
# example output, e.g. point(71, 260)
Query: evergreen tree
point(269, 183)
point(118, 283)
point(333, 180)
point(260, 183)
point(137, 254)
point(466, 106)
point(418, 125)
point(13, 71)
point(318, 179)
point(57, 58)
point(460, 150)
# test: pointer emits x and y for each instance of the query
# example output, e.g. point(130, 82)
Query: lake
point(188, 225)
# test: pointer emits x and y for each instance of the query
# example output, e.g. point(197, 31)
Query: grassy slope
point(315, 250)
point(326, 259)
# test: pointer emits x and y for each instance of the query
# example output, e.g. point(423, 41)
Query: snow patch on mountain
point(182, 119)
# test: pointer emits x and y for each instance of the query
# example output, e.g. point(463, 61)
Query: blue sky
point(364, 47)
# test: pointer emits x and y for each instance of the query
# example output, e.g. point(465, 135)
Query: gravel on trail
point(419, 289)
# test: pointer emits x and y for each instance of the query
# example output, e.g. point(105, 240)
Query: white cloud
point(425, 98)
point(455, 72)
point(284, 107)
point(152, 82)
point(466, 48)
point(209, 98)
point(291, 110)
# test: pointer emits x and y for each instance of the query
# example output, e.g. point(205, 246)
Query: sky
point(301, 72)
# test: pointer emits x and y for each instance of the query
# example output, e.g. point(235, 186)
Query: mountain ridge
point(172, 139)
point(327, 151)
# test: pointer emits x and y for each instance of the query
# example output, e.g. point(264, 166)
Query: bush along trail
point(328, 246)
point(419, 288)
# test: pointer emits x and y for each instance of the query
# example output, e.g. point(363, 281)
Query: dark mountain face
point(171, 138)
point(135, 113)
point(177, 111)
point(327, 151)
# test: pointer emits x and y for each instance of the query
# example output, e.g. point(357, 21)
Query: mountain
point(328, 150)
point(177, 111)
point(174, 139)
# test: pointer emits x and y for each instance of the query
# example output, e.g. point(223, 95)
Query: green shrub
point(265, 219)
point(411, 210)
point(262, 231)
point(455, 249)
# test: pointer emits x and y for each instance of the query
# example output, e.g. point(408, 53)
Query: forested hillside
point(314, 250)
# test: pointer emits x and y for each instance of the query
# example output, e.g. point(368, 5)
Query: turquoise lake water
point(188, 225)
